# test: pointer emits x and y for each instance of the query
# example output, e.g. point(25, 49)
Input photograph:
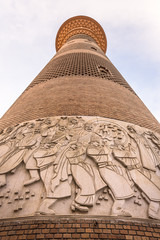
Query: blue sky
point(28, 30)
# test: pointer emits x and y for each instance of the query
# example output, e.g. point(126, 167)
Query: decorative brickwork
point(79, 228)
point(80, 96)
point(80, 64)
point(81, 25)
point(79, 80)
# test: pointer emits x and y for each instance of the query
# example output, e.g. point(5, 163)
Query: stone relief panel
point(79, 165)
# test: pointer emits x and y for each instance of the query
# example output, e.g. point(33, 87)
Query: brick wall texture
point(80, 80)
point(79, 228)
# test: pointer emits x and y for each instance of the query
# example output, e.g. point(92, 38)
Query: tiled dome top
point(81, 25)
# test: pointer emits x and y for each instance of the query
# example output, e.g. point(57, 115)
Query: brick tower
point(79, 151)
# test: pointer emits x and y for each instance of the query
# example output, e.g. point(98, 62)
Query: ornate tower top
point(81, 25)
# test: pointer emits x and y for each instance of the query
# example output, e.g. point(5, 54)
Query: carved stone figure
point(139, 162)
point(154, 144)
point(75, 126)
point(30, 143)
point(81, 161)
point(102, 154)
point(46, 162)
point(54, 173)
point(21, 149)
point(82, 173)
point(10, 156)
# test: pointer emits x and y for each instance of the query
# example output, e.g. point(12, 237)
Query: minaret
point(80, 142)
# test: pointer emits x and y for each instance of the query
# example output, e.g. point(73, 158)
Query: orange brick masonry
point(80, 96)
point(79, 228)
point(83, 83)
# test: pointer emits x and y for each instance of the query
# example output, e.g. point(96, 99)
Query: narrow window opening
point(104, 72)
point(94, 48)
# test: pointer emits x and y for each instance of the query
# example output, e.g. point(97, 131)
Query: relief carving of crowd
point(90, 152)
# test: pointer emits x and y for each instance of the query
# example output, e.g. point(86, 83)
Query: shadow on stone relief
point(79, 165)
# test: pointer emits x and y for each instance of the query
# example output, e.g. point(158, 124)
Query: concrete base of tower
point(79, 165)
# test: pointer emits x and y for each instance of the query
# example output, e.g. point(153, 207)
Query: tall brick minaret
point(79, 149)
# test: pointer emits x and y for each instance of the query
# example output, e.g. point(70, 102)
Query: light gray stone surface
point(79, 165)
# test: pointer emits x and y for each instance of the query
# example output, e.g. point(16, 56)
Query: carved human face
point(88, 127)
point(37, 130)
point(62, 128)
point(101, 126)
point(9, 130)
point(73, 121)
point(131, 129)
point(120, 138)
